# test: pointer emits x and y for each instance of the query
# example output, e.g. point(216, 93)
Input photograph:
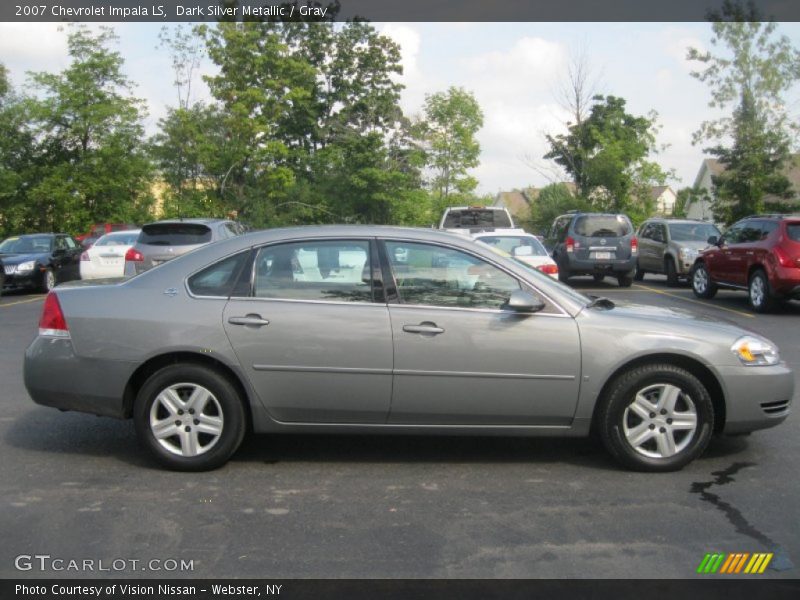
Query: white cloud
point(32, 47)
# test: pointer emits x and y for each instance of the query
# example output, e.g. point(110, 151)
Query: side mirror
point(522, 251)
point(521, 301)
point(714, 241)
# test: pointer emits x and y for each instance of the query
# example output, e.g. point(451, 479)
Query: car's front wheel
point(671, 271)
point(657, 418)
point(189, 417)
point(48, 280)
point(702, 286)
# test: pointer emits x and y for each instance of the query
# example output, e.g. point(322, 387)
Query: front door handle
point(424, 328)
point(252, 320)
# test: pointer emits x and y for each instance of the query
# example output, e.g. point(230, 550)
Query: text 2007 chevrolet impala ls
point(374, 329)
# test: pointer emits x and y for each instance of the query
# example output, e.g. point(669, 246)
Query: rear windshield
point(793, 231)
point(602, 225)
point(175, 234)
point(475, 218)
point(118, 239)
point(692, 232)
point(509, 243)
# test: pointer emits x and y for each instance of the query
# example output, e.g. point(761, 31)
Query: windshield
point(508, 243)
point(118, 239)
point(692, 232)
point(26, 244)
point(602, 225)
point(475, 218)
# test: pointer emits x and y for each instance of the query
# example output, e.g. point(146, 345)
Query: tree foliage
point(553, 200)
point(750, 73)
point(606, 155)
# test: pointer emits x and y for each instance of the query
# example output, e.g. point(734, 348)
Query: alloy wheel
point(757, 291)
point(186, 419)
point(661, 421)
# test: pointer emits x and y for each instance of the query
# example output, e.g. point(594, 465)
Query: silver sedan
point(352, 329)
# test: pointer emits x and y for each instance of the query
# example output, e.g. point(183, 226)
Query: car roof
point(677, 220)
point(193, 220)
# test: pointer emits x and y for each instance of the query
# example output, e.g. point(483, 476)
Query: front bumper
point(23, 281)
point(55, 376)
point(756, 397)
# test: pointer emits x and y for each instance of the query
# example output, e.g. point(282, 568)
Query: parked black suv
point(597, 244)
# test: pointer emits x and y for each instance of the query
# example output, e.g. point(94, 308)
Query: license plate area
point(602, 255)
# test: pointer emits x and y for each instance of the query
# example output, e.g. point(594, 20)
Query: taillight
point(634, 245)
point(548, 269)
point(84, 256)
point(133, 255)
point(53, 322)
point(784, 259)
point(570, 244)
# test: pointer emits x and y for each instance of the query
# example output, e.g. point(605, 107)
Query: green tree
point(751, 75)
point(89, 133)
point(553, 200)
point(452, 121)
point(607, 156)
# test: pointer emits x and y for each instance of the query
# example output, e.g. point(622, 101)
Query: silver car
point(164, 240)
point(352, 329)
point(670, 246)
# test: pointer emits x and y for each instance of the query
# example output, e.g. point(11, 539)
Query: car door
point(314, 335)
point(648, 248)
point(740, 253)
point(460, 359)
point(74, 251)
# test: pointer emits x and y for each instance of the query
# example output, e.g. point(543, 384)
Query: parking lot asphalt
point(79, 487)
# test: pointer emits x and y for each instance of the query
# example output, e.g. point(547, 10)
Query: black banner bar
point(380, 10)
point(732, 588)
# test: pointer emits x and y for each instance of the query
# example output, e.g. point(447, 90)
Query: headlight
point(688, 253)
point(753, 351)
point(26, 266)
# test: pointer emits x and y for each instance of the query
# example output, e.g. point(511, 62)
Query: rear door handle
point(424, 328)
point(252, 320)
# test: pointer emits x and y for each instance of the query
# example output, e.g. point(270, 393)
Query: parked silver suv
point(670, 246)
point(164, 240)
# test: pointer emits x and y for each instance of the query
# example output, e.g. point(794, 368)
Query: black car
point(39, 261)
point(2, 277)
point(597, 244)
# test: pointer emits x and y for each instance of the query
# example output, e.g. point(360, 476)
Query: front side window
point(437, 276)
point(744, 233)
point(315, 270)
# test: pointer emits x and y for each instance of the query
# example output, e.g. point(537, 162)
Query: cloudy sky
point(514, 70)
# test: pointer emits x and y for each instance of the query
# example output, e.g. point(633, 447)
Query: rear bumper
point(756, 397)
point(55, 376)
point(619, 266)
point(786, 282)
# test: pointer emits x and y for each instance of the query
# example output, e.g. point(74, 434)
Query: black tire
point(598, 277)
point(639, 273)
point(625, 280)
point(614, 416)
point(563, 274)
point(759, 293)
point(228, 404)
point(671, 271)
point(48, 280)
point(702, 285)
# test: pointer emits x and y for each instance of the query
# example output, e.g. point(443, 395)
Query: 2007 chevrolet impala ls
point(358, 329)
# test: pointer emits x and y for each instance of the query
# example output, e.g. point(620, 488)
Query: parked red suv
point(759, 254)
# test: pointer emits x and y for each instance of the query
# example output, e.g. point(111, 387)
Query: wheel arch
point(695, 367)
point(153, 364)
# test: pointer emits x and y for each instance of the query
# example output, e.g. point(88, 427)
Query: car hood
point(694, 245)
point(15, 259)
point(673, 321)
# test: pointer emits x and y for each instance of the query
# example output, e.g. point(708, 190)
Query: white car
point(522, 246)
point(106, 257)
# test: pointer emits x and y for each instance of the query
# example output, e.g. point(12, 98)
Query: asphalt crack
point(781, 560)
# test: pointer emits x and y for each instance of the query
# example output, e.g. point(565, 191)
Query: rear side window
point(175, 234)
point(793, 231)
point(476, 218)
point(602, 226)
point(219, 278)
point(322, 270)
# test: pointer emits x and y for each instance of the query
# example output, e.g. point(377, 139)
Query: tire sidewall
point(229, 401)
point(766, 303)
point(620, 397)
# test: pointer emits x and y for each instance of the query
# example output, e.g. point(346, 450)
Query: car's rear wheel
point(598, 277)
point(639, 273)
point(189, 417)
point(563, 274)
point(671, 271)
point(759, 293)
point(657, 418)
point(625, 280)
point(702, 286)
